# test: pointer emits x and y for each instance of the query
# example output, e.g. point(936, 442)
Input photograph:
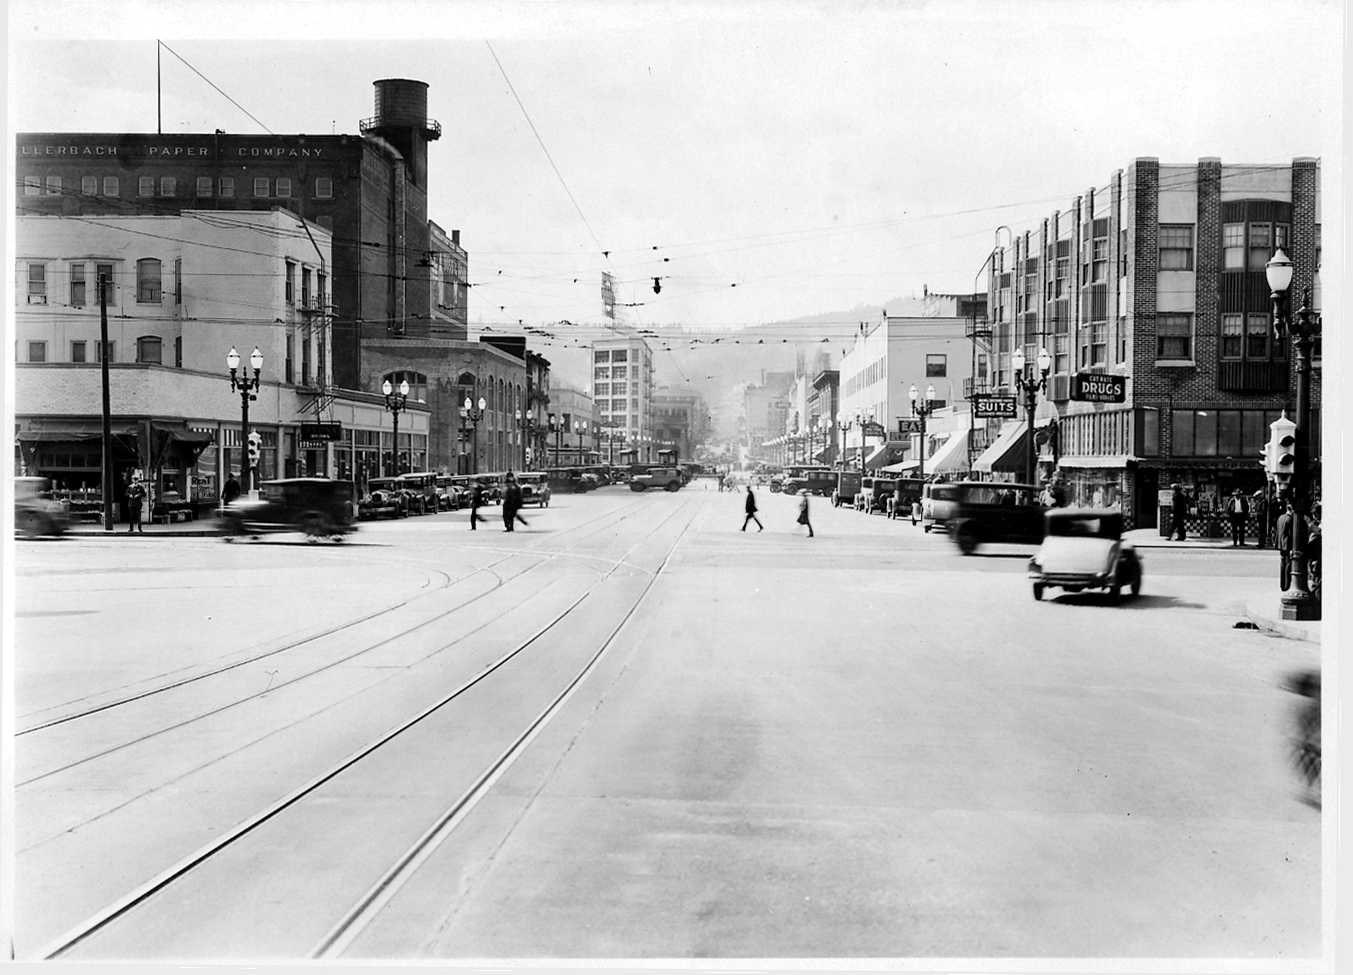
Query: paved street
point(645, 734)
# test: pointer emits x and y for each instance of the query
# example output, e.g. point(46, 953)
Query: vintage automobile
point(988, 512)
point(385, 498)
point(847, 486)
point(667, 478)
point(36, 511)
point(421, 490)
point(1084, 549)
point(535, 488)
point(938, 502)
point(815, 480)
point(316, 506)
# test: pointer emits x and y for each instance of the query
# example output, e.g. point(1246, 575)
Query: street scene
point(917, 549)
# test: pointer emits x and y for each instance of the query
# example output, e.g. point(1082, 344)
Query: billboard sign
point(1097, 387)
point(989, 407)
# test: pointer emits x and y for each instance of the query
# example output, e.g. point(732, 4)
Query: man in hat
point(1178, 511)
point(1238, 513)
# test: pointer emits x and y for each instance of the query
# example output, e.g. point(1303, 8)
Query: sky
point(763, 160)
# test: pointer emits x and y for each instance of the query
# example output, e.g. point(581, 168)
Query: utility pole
point(107, 485)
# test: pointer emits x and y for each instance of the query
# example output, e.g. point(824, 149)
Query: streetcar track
point(132, 698)
point(129, 901)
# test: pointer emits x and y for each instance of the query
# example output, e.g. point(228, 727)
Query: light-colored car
point(1084, 548)
point(938, 504)
point(667, 478)
point(36, 512)
point(535, 489)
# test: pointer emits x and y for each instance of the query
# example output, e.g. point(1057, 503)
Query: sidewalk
point(201, 528)
point(1150, 538)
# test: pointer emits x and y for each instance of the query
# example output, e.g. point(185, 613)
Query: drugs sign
point(987, 407)
point(1096, 387)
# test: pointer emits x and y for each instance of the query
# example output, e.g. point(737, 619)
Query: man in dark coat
point(136, 496)
point(751, 511)
point(231, 491)
point(1289, 523)
point(1178, 512)
point(1238, 513)
point(476, 502)
point(512, 504)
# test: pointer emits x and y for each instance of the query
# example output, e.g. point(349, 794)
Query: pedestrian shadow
point(1144, 601)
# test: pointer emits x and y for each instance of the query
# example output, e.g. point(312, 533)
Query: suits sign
point(1096, 387)
point(988, 407)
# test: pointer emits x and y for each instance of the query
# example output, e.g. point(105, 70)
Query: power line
point(213, 84)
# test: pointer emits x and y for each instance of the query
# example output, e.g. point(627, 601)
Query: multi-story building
point(573, 428)
point(181, 290)
point(680, 422)
point(765, 407)
point(622, 386)
point(824, 401)
point(886, 359)
point(1157, 277)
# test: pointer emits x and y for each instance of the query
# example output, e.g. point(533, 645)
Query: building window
point(77, 352)
point(936, 365)
point(283, 187)
point(620, 355)
point(145, 186)
point(1233, 246)
point(290, 288)
point(148, 280)
point(1256, 336)
point(178, 280)
point(37, 351)
point(89, 185)
point(112, 352)
point(111, 186)
point(1181, 433)
point(1174, 336)
point(260, 186)
point(321, 285)
point(204, 185)
point(1228, 433)
point(1099, 343)
point(53, 185)
point(178, 351)
point(1232, 332)
point(418, 383)
point(168, 185)
point(324, 188)
point(1261, 245)
point(149, 349)
point(1176, 247)
point(305, 288)
point(77, 285)
point(227, 186)
point(37, 284)
point(32, 186)
point(1281, 232)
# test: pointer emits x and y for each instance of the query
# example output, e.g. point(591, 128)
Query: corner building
point(1157, 276)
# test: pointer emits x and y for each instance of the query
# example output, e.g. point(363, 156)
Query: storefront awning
point(903, 468)
point(73, 434)
point(1008, 454)
point(181, 433)
point(1102, 461)
point(951, 456)
point(888, 453)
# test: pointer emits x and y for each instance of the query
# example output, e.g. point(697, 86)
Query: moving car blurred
point(316, 506)
point(993, 511)
point(36, 511)
point(1084, 549)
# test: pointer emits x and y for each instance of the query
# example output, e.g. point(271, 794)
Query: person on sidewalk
point(136, 497)
point(1178, 512)
point(476, 502)
point(1289, 524)
point(751, 511)
point(1259, 505)
point(1238, 512)
point(915, 511)
point(231, 491)
point(803, 512)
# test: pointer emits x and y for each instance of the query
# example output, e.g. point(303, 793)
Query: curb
point(1291, 631)
point(123, 533)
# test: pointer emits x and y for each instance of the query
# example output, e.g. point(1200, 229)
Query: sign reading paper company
point(1096, 387)
point(988, 407)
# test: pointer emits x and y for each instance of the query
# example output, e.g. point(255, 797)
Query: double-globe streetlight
point(922, 409)
point(474, 413)
point(527, 426)
point(1030, 388)
point(396, 401)
point(247, 386)
point(1300, 603)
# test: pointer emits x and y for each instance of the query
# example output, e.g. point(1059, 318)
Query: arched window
point(149, 348)
point(418, 383)
point(502, 402)
point(148, 280)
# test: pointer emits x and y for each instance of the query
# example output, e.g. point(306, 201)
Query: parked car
point(667, 478)
point(567, 480)
point(384, 499)
point(992, 512)
point(421, 489)
point(939, 501)
point(317, 506)
point(847, 486)
point(36, 511)
point(535, 489)
point(874, 493)
point(815, 480)
point(1084, 548)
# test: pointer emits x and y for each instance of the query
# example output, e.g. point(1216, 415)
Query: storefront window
point(1228, 433)
point(1205, 433)
point(1181, 433)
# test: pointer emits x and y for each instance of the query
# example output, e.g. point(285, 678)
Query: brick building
point(1157, 276)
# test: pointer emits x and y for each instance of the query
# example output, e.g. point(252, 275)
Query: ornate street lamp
point(395, 402)
point(1300, 603)
point(247, 386)
point(921, 410)
point(474, 413)
point(1030, 387)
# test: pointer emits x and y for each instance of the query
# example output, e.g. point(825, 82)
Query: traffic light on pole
point(255, 447)
point(1282, 450)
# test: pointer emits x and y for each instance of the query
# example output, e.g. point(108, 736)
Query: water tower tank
point(400, 101)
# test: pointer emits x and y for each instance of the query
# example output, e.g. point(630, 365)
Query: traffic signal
point(255, 448)
point(1281, 459)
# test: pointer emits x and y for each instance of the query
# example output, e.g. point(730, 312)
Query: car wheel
point(1038, 591)
point(967, 540)
point(1136, 586)
point(1115, 594)
point(673, 487)
point(926, 528)
point(28, 523)
point(315, 527)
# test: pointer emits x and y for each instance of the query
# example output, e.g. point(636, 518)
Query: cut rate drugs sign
point(1096, 387)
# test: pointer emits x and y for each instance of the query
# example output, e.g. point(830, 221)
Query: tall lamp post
point(395, 401)
point(1300, 603)
point(527, 426)
point(247, 386)
point(1030, 388)
point(921, 410)
point(474, 413)
point(580, 428)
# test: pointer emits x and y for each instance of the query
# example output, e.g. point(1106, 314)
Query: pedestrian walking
point(721, 481)
point(512, 504)
point(1238, 513)
point(803, 512)
point(1178, 511)
point(915, 511)
point(136, 496)
point(231, 491)
point(1289, 523)
point(750, 507)
point(476, 502)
